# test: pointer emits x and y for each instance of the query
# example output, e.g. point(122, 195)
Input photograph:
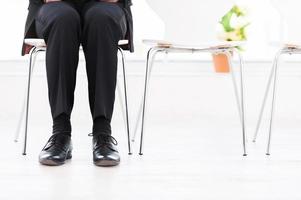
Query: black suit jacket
point(34, 5)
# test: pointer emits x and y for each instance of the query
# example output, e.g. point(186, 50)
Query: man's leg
point(104, 26)
point(59, 24)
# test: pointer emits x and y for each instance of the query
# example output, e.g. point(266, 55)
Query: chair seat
point(292, 46)
point(41, 43)
point(210, 45)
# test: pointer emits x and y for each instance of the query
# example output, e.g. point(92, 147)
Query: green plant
point(234, 24)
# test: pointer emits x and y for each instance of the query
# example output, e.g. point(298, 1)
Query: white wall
point(265, 28)
point(12, 21)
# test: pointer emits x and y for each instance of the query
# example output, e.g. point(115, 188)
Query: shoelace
point(103, 139)
point(52, 141)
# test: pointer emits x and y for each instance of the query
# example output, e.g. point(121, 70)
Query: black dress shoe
point(57, 150)
point(105, 153)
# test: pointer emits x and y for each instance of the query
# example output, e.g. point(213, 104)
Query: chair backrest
point(289, 10)
point(190, 21)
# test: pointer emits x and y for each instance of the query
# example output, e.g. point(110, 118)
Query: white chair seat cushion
point(41, 43)
point(213, 45)
point(35, 42)
point(292, 46)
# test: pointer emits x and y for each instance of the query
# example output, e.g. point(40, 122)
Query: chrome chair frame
point(32, 61)
point(151, 55)
point(273, 77)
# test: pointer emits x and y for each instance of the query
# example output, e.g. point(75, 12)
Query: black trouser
point(98, 26)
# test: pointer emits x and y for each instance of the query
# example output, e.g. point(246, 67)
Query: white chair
point(286, 49)
point(40, 46)
point(178, 45)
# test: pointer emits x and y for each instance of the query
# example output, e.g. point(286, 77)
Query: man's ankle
point(67, 133)
point(62, 124)
point(101, 125)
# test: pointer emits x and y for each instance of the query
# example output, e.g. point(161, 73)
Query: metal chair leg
point(31, 64)
point(242, 99)
point(239, 100)
point(267, 90)
point(234, 84)
point(273, 102)
point(139, 116)
point(149, 64)
point(126, 102)
point(18, 130)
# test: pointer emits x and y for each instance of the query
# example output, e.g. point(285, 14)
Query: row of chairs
point(166, 47)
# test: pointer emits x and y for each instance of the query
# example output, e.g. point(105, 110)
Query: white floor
point(193, 144)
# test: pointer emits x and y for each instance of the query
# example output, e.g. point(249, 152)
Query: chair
point(167, 47)
point(40, 46)
point(273, 77)
point(184, 31)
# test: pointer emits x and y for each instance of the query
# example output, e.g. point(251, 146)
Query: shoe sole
point(106, 163)
point(55, 163)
